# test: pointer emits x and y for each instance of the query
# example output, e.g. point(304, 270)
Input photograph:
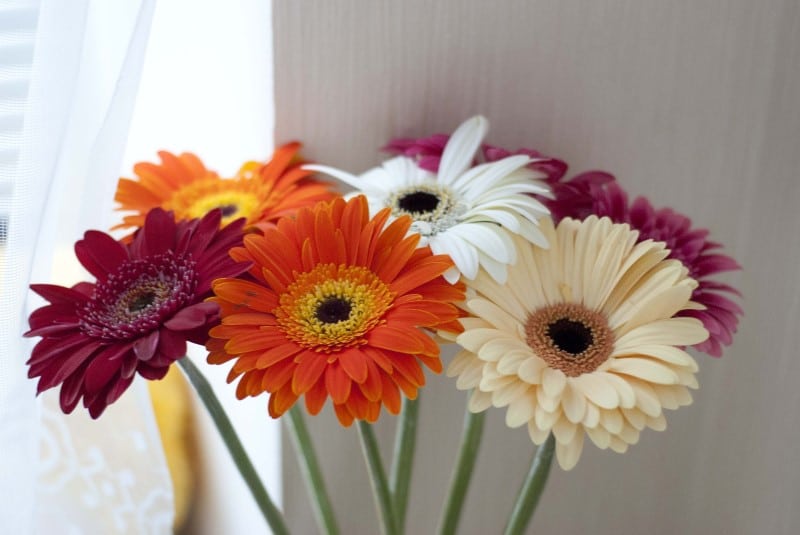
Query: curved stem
point(380, 488)
point(405, 442)
point(531, 489)
point(309, 466)
point(462, 473)
point(271, 513)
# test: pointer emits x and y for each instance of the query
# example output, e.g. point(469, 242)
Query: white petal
point(461, 148)
point(463, 254)
point(344, 176)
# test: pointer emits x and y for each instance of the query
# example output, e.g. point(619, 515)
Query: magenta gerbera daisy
point(427, 151)
point(147, 302)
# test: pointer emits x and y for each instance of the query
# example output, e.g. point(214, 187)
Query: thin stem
point(271, 513)
point(531, 489)
point(405, 442)
point(309, 466)
point(380, 488)
point(462, 473)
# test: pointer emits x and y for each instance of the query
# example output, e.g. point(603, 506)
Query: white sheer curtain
point(69, 72)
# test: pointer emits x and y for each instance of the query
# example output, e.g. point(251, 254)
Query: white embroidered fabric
point(68, 78)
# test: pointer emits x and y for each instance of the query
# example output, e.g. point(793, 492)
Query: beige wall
point(693, 103)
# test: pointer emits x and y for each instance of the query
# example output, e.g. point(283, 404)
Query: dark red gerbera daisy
point(148, 300)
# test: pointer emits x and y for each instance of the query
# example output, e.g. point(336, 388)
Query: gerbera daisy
point(338, 309)
point(148, 300)
point(466, 212)
point(719, 313)
point(583, 338)
point(261, 193)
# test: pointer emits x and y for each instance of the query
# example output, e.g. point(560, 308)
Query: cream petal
point(495, 350)
point(627, 397)
point(546, 419)
point(479, 401)
point(493, 383)
point(647, 369)
point(659, 303)
point(538, 436)
point(470, 377)
point(683, 396)
point(671, 332)
point(503, 297)
point(511, 361)
point(531, 369)
point(629, 434)
point(569, 453)
point(573, 403)
point(635, 417)
point(592, 416)
point(618, 445)
point(546, 402)
point(666, 396)
point(564, 430)
point(597, 390)
point(659, 423)
point(669, 354)
point(521, 410)
point(474, 339)
point(642, 258)
point(646, 398)
point(462, 361)
point(495, 315)
point(508, 393)
point(599, 436)
point(612, 420)
point(553, 382)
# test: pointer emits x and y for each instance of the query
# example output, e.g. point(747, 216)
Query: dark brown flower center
point(418, 202)
point(141, 300)
point(333, 310)
point(228, 209)
point(570, 337)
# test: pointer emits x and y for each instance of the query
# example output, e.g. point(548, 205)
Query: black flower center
point(142, 300)
point(228, 209)
point(418, 202)
point(570, 336)
point(333, 310)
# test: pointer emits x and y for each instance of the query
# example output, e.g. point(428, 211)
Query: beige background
point(692, 103)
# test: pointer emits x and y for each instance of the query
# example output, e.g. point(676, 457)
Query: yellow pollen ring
point(368, 296)
point(202, 196)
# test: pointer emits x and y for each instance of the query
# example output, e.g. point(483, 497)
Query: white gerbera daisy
point(466, 212)
point(582, 338)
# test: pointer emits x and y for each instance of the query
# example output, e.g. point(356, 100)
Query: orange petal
point(316, 396)
point(309, 369)
point(354, 363)
point(338, 383)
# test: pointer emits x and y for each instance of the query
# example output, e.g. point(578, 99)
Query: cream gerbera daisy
point(465, 211)
point(582, 338)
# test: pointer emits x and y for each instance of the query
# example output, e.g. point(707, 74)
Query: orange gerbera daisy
point(338, 308)
point(260, 192)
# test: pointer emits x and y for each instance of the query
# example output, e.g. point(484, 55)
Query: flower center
point(333, 310)
point(139, 296)
point(433, 208)
point(418, 202)
point(234, 197)
point(332, 307)
point(569, 337)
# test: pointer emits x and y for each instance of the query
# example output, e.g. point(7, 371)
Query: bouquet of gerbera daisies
point(572, 306)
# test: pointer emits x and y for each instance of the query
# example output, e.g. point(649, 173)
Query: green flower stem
point(380, 488)
point(309, 466)
point(271, 513)
point(531, 489)
point(465, 463)
point(405, 442)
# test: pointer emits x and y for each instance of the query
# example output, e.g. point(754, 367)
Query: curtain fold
point(69, 73)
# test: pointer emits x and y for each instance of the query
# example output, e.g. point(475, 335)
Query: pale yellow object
point(173, 411)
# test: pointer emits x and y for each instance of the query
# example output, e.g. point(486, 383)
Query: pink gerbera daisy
point(147, 301)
